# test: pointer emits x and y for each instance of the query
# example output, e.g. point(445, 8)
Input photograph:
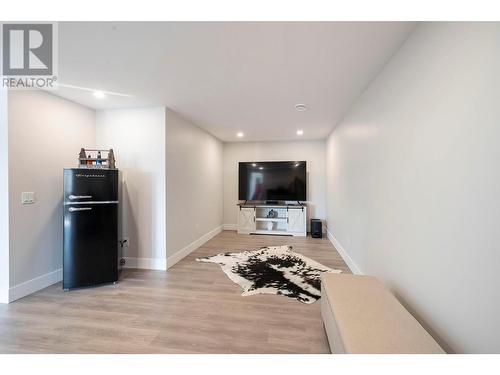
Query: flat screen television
point(272, 181)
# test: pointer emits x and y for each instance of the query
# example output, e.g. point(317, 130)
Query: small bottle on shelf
point(99, 161)
point(81, 156)
point(89, 162)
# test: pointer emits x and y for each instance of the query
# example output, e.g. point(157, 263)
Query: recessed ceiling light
point(261, 167)
point(254, 165)
point(300, 107)
point(99, 94)
point(239, 134)
point(300, 132)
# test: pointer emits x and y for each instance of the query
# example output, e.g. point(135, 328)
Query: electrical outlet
point(27, 197)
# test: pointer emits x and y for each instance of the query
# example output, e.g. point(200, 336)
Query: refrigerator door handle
point(73, 209)
point(86, 203)
point(79, 196)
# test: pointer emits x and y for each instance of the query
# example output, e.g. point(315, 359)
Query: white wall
point(137, 137)
point(413, 181)
point(4, 199)
point(194, 186)
point(45, 135)
point(312, 151)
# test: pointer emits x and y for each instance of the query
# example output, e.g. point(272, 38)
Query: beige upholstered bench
point(361, 316)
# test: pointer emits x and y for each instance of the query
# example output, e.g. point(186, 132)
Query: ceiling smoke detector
point(300, 107)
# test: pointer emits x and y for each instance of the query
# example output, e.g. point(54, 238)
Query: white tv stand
point(289, 221)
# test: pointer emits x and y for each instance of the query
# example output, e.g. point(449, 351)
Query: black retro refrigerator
point(91, 242)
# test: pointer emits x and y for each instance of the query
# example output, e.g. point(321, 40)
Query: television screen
point(272, 180)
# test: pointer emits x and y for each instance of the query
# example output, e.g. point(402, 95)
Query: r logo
point(27, 49)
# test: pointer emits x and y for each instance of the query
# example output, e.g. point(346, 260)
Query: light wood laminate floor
point(191, 308)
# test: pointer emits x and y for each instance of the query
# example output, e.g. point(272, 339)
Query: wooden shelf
point(96, 158)
point(273, 219)
point(281, 232)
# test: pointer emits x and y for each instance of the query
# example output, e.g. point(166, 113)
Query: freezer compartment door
point(90, 245)
point(90, 185)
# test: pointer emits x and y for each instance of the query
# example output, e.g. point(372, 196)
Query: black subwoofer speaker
point(316, 228)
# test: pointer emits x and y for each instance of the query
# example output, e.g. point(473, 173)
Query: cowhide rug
point(273, 270)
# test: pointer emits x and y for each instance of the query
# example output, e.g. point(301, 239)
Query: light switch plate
point(27, 197)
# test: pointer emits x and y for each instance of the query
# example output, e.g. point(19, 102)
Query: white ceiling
point(226, 76)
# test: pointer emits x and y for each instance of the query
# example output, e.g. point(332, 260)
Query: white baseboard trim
point(229, 226)
point(4, 295)
point(34, 285)
point(173, 259)
point(145, 263)
point(350, 263)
